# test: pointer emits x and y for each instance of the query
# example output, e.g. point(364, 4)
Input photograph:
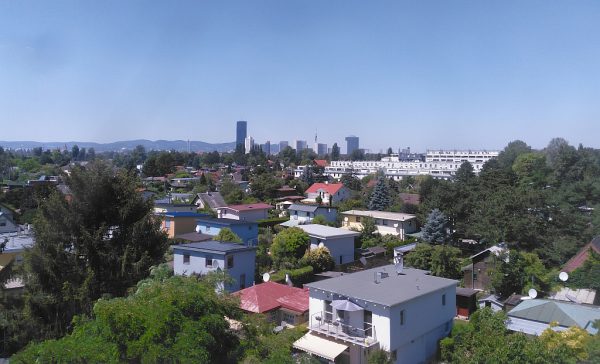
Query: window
point(358, 219)
point(289, 318)
point(186, 259)
point(384, 222)
point(242, 281)
point(328, 311)
point(209, 261)
point(230, 261)
point(402, 317)
point(444, 299)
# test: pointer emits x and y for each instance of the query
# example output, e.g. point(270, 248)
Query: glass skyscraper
point(241, 131)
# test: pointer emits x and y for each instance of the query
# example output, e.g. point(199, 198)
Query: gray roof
point(212, 199)
point(17, 242)
point(565, 313)
point(194, 237)
point(386, 215)
point(305, 208)
point(325, 232)
point(215, 247)
point(390, 291)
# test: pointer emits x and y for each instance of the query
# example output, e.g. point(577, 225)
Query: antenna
point(563, 276)
point(266, 277)
point(532, 293)
point(399, 263)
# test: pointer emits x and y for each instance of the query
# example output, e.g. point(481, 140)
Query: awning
point(316, 345)
point(345, 305)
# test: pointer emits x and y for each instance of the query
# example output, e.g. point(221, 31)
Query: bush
point(320, 259)
point(298, 276)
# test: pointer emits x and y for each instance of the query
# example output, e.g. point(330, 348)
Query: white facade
point(248, 144)
point(438, 164)
point(409, 329)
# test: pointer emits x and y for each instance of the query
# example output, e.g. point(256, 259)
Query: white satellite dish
point(563, 276)
point(266, 277)
point(532, 293)
point(321, 245)
point(197, 228)
point(288, 280)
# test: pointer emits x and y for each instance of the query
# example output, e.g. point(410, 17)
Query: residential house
point(177, 223)
point(7, 225)
point(476, 274)
point(165, 205)
point(211, 200)
point(247, 212)
point(388, 223)
point(237, 260)
point(11, 254)
point(330, 193)
point(533, 316)
point(301, 213)
point(340, 242)
point(404, 313)
point(278, 302)
point(246, 230)
point(583, 254)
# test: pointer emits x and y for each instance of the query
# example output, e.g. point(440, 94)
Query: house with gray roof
point(303, 214)
point(340, 242)
point(212, 200)
point(535, 315)
point(237, 260)
point(404, 311)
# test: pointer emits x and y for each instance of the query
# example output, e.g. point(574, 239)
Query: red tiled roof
point(268, 296)
point(581, 256)
point(330, 188)
point(251, 206)
point(321, 162)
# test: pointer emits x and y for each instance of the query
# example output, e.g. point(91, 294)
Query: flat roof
point(327, 231)
point(184, 214)
point(212, 246)
point(398, 216)
point(390, 291)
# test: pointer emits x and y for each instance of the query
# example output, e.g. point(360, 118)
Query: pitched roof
point(397, 216)
point(303, 207)
point(582, 255)
point(389, 291)
point(566, 314)
point(212, 246)
point(321, 162)
point(268, 296)
point(213, 199)
point(251, 206)
point(323, 231)
point(330, 188)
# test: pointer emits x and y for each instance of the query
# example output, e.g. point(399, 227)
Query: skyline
point(426, 75)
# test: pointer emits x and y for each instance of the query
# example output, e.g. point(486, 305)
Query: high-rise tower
point(241, 131)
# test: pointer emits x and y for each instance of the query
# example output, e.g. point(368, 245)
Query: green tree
point(507, 157)
point(435, 229)
point(508, 277)
point(225, 234)
point(99, 243)
point(319, 220)
point(289, 246)
point(445, 261)
point(380, 198)
point(369, 236)
point(320, 259)
point(379, 356)
point(420, 257)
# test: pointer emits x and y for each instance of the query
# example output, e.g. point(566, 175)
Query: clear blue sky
point(425, 74)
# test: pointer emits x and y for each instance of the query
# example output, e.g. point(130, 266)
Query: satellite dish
point(532, 293)
point(266, 277)
point(288, 280)
point(321, 245)
point(563, 276)
point(363, 260)
point(198, 228)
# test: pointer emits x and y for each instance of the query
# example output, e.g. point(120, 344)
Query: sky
point(425, 74)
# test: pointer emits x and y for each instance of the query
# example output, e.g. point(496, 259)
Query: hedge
point(298, 276)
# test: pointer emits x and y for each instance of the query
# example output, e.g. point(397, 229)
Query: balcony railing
point(323, 322)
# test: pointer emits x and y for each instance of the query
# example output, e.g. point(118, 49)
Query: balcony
point(322, 323)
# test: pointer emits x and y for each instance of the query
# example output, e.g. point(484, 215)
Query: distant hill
point(178, 145)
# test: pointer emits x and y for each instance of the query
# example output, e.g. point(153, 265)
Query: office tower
point(321, 149)
point(266, 148)
point(283, 144)
point(248, 144)
point(241, 132)
point(351, 144)
point(300, 145)
point(275, 148)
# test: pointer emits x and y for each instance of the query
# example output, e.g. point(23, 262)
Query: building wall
point(243, 264)
point(178, 225)
point(341, 249)
point(252, 215)
point(248, 233)
point(384, 226)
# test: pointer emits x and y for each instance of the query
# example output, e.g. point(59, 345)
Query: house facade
point(403, 313)
point(246, 230)
point(305, 213)
point(394, 223)
point(237, 260)
point(477, 274)
point(339, 242)
point(330, 193)
point(248, 212)
point(177, 223)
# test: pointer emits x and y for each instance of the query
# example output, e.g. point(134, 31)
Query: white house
point(340, 242)
point(330, 193)
point(394, 223)
point(237, 260)
point(248, 212)
point(404, 313)
point(303, 213)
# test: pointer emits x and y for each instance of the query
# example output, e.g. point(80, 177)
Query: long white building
point(438, 163)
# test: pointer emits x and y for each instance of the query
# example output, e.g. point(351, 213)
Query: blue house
point(246, 230)
point(237, 260)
